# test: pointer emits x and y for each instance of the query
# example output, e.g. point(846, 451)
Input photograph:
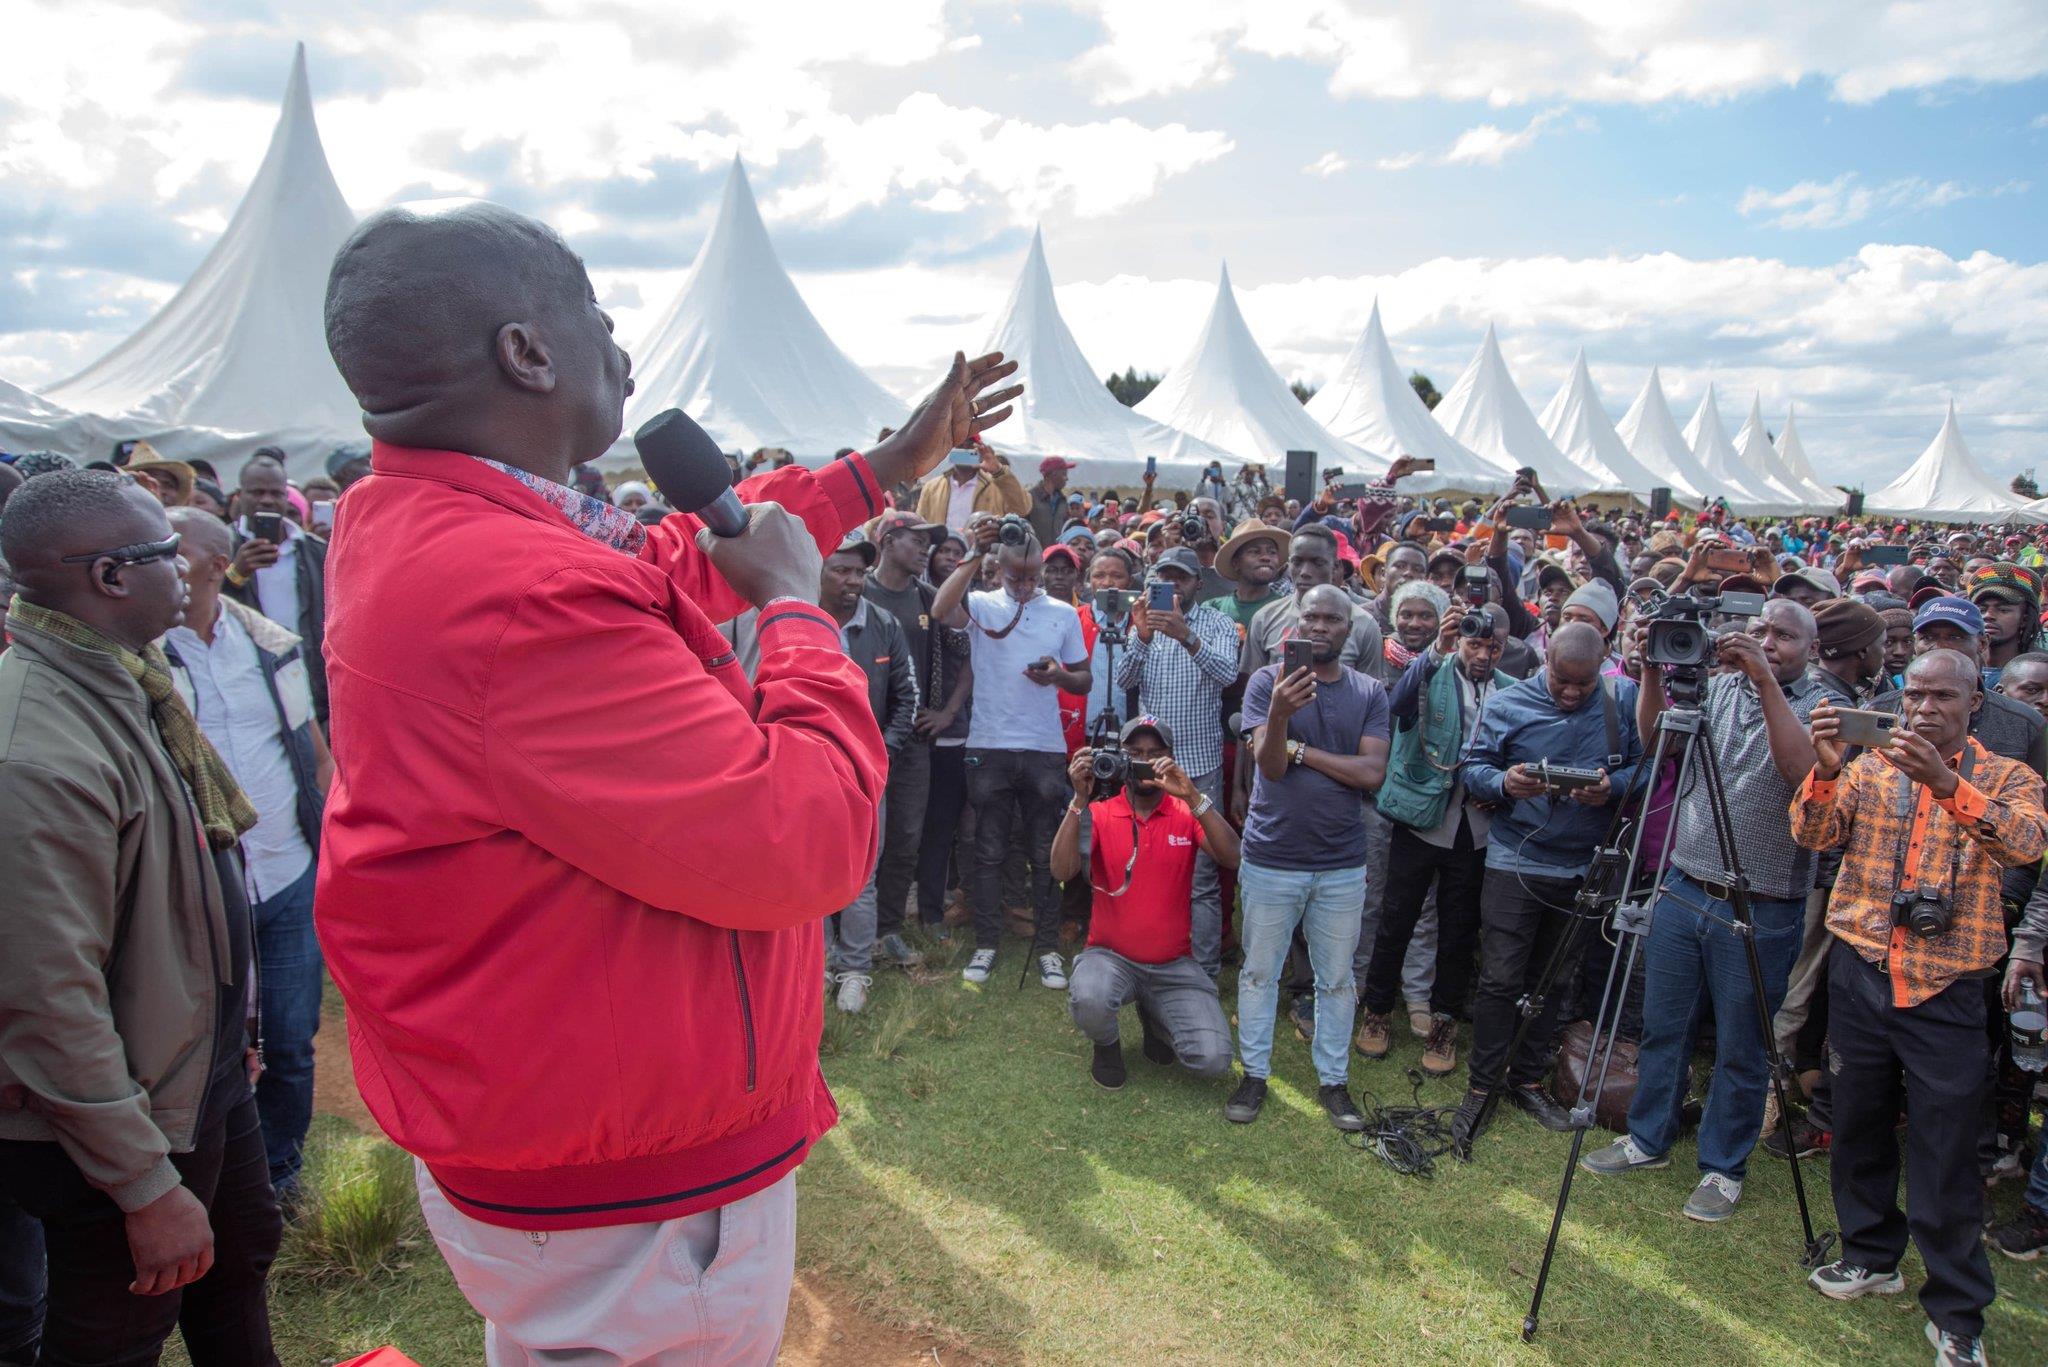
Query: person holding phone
point(975, 480)
point(278, 569)
point(1181, 658)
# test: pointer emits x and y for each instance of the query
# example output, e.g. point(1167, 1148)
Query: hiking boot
point(1302, 1012)
point(897, 951)
point(1420, 1018)
point(1440, 1047)
point(2022, 1237)
point(1342, 1110)
point(1108, 1067)
point(1052, 971)
point(853, 992)
point(1371, 1039)
point(1623, 1155)
point(1713, 1200)
point(1842, 1280)
point(1954, 1350)
point(1540, 1108)
point(978, 967)
point(1466, 1123)
point(1804, 1140)
point(1243, 1106)
point(1158, 1046)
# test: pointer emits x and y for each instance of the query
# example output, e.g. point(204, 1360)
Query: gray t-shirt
point(1308, 820)
point(1758, 795)
point(1277, 621)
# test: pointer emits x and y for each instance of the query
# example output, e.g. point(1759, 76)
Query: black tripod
point(1682, 731)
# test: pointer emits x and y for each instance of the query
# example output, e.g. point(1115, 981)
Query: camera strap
point(1904, 802)
point(1015, 618)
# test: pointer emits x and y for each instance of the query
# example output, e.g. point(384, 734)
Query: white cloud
point(1845, 200)
point(1327, 165)
point(1588, 50)
point(1484, 145)
point(1400, 161)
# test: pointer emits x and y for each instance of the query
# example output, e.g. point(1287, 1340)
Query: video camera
point(1113, 615)
point(1681, 640)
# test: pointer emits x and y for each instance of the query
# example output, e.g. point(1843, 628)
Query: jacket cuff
point(851, 487)
point(133, 1196)
point(1966, 803)
point(789, 621)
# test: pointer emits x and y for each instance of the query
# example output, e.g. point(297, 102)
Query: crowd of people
point(1178, 745)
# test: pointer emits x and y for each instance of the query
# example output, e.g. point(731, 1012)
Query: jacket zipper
point(739, 982)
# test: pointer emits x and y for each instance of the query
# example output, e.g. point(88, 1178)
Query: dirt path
point(824, 1325)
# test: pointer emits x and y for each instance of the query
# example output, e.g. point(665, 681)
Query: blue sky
point(1830, 204)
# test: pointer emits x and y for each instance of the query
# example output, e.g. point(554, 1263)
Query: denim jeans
point(24, 1282)
point(910, 781)
point(1325, 905)
point(943, 802)
point(1691, 957)
point(288, 967)
point(1205, 904)
point(1023, 785)
point(850, 933)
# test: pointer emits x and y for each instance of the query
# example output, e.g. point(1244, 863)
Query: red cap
point(1052, 463)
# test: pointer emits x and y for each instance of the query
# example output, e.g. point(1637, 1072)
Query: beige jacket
point(113, 939)
point(998, 494)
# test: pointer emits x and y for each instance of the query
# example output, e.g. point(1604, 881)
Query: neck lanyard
point(1905, 802)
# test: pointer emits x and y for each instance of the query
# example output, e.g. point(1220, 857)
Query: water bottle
point(2030, 1029)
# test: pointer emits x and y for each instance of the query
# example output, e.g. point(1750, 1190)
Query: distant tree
point(1130, 388)
point(1424, 390)
point(1302, 392)
point(2023, 484)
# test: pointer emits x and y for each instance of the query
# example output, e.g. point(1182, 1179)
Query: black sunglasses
point(141, 553)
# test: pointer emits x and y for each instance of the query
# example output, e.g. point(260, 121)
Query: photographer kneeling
point(1925, 825)
point(1141, 865)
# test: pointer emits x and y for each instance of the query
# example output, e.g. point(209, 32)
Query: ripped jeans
point(1324, 903)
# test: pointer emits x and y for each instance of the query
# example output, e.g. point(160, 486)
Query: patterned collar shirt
point(1183, 687)
point(595, 518)
point(1772, 863)
point(1895, 834)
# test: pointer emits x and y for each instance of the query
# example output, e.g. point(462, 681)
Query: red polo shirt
point(1149, 923)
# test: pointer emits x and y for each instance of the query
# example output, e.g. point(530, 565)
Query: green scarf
point(224, 810)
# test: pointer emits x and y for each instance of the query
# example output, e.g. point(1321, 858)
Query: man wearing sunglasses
point(127, 1123)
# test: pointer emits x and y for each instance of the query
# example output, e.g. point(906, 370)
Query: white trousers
point(709, 1288)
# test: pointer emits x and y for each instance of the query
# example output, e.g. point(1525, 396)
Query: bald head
point(1950, 666)
point(204, 535)
point(1575, 645)
point(1327, 598)
point(454, 326)
point(84, 515)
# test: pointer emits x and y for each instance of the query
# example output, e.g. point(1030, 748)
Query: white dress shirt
point(277, 585)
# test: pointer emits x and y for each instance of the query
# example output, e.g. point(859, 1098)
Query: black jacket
point(876, 644)
point(310, 573)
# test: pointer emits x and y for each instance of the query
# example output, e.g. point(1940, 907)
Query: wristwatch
point(1204, 807)
point(1295, 750)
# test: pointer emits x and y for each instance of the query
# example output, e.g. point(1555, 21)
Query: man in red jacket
point(581, 980)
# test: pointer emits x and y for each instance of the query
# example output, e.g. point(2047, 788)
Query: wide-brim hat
point(1247, 532)
point(181, 475)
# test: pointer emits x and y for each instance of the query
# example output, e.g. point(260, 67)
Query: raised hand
point(953, 414)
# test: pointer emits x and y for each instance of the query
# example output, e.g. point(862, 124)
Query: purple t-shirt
point(1308, 820)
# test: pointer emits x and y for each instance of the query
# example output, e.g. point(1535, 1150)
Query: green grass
point(982, 1190)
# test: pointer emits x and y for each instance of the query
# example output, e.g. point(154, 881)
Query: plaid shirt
point(1185, 690)
point(1993, 819)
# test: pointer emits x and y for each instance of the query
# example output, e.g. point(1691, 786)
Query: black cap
point(1152, 724)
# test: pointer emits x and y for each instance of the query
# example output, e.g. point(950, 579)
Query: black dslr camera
point(1192, 527)
point(1014, 530)
point(1112, 766)
point(1924, 911)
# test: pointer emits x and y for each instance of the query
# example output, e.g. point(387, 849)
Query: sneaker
point(1243, 1106)
point(1713, 1200)
point(1623, 1155)
point(1953, 1350)
point(978, 967)
point(897, 951)
point(1803, 1140)
point(1302, 1011)
point(1108, 1067)
point(1158, 1046)
point(1419, 1019)
point(853, 992)
point(1052, 971)
point(1843, 1280)
point(2003, 1168)
point(1342, 1110)
point(1467, 1124)
point(2022, 1237)
point(1371, 1039)
point(1540, 1108)
point(1440, 1047)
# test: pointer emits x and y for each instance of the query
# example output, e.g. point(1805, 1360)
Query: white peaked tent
point(1946, 485)
point(1792, 460)
point(238, 357)
point(1487, 414)
point(1577, 422)
point(1225, 393)
point(1066, 409)
point(1715, 454)
point(1652, 437)
point(738, 350)
point(1760, 459)
point(1372, 406)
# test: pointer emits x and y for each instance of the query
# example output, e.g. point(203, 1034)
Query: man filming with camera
point(1925, 824)
point(1755, 717)
point(1146, 836)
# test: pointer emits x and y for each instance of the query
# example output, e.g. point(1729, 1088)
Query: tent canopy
point(739, 350)
point(1225, 393)
point(1946, 485)
point(1371, 405)
point(1487, 414)
point(1715, 454)
point(1577, 422)
point(1792, 460)
point(1760, 459)
point(1067, 410)
point(1652, 437)
point(238, 357)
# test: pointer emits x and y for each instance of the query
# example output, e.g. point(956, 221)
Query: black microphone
point(690, 470)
